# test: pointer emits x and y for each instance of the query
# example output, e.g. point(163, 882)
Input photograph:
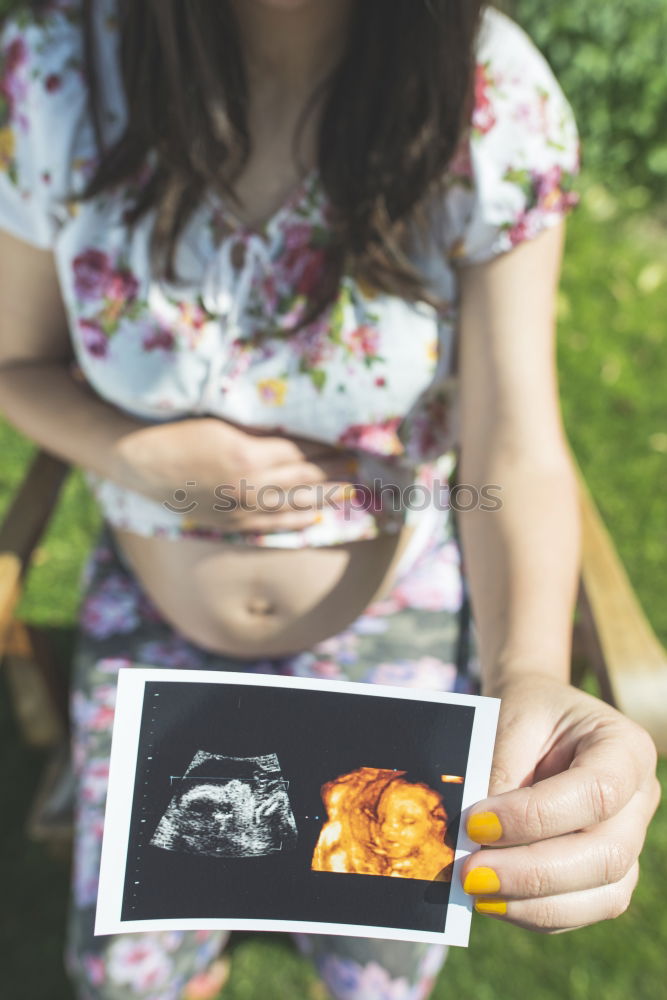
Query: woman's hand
point(573, 789)
point(233, 478)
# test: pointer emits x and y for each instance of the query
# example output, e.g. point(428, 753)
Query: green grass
point(613, 367)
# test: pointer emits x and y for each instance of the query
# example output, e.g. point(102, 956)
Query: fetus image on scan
point(228, 807)
point(380, 824)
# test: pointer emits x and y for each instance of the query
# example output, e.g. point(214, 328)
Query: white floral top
point(375, 374)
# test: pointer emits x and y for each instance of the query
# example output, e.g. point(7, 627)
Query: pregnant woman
point(279, 275)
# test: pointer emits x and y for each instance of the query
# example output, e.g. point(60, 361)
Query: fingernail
point(481, 880)
point(498, 906)
point(484, 828)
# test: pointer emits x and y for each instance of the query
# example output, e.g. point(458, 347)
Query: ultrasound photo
point(228, 807)
point(251, 802)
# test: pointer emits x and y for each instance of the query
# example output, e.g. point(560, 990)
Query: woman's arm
point(37, 392)
point(573, 784)
point(522, 559)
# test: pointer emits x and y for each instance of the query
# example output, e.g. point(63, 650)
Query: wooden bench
point(612, 641)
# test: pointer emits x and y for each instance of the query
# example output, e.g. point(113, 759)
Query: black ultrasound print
point(228, 807)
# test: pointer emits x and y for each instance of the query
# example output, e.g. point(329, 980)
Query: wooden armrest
point(23, 525)
point(635, 660)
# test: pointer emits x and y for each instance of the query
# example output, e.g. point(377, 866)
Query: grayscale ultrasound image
point(228, 807)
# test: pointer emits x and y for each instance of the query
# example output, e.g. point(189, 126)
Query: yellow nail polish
point(484, 828)
point(497, 906)
point(481, 880)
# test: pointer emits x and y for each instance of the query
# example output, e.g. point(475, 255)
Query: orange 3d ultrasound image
point(380, 824)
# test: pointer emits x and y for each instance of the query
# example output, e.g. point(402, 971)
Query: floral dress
point(375, 374)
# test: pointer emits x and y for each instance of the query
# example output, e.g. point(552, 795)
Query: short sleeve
point(516, 173)
point(40, 101)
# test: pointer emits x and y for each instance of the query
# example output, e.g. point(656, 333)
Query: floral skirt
point(419, 635)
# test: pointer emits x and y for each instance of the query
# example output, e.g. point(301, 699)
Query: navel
point(258, 605)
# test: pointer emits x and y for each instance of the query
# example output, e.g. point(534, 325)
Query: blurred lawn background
point(612, 353)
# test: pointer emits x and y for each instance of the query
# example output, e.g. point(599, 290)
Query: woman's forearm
point(522, 564)
point(47, 404)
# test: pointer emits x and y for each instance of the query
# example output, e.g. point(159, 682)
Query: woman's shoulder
point(514, 173)
point(46, 134)
point(37, 34)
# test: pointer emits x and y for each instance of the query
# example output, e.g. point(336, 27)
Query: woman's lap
point(410, 638)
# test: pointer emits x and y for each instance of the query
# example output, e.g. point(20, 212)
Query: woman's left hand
point(573, 789)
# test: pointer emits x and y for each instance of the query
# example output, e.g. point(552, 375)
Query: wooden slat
point(32, 507)
point(635, 660)
point(22, 527)
point(10, 589)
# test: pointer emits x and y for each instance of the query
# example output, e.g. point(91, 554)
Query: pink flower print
point(52, 83)
point(94, 338)
point(111, 610)
point(308, 665)
point(95, 969)
point(92, 273)
point(342, 647)
point(112, 664)
point(363, 342)
point(379, 438)
point(192, 318)
point(159, 340)
point(349, 980)
point(15, 56)
point(13, 87)
point(550, 195)
point(301, 265)
point(427, 673)
point(461, 162)
point(86, 870)
point(99, 717)
point(173, 652)
point(122, 287)
point(520, 231)
point(428, 433)
point(483, 118)
point(434, 584)
point(297, 235)
point(94, 781)
point(314, 345)
point(139, 961)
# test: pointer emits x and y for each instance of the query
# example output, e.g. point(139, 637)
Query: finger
point(571, 863)
point(273, 450)
point(274, 500)
point(340, 468)
point(553, 914)
point(603, 776)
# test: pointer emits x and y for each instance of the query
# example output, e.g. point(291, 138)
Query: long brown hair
point(395, 109)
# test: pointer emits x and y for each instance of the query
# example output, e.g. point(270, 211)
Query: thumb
point(520, 744)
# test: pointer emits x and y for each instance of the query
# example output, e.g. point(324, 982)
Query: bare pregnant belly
point(250, 602)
